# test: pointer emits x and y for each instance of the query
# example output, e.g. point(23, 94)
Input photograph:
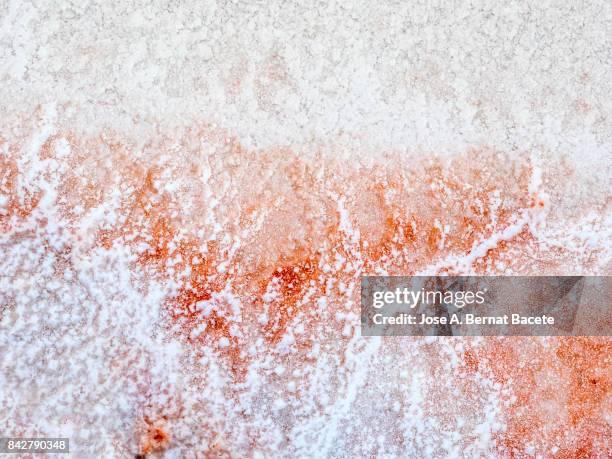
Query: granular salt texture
point(197, 296)
point(189, 193)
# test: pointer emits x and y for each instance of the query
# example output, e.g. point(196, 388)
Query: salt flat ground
point(190, 192)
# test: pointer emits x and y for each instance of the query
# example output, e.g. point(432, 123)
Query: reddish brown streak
point(397, 231)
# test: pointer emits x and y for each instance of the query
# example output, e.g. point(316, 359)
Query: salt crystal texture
point(190, 193)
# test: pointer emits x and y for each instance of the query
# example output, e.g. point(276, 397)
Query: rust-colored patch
point(289, 284)
point(286, 228)
point(471, 361)
point(16, 205)
point(561, 393)
point(591, 375)
point(155, 439)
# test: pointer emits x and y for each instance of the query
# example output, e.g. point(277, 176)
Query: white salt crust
point(84, 350)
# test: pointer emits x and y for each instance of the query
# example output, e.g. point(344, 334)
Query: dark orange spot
point(288, 285)
point(434, 236)
point(470, 361)
point(156, 440)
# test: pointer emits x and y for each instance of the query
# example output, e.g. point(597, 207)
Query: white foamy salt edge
point(589, 234)
point(77, 330)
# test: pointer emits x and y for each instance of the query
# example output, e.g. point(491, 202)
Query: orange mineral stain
point(290, 282)
point(560, 393)
point(155, 440)
point(248, 242)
